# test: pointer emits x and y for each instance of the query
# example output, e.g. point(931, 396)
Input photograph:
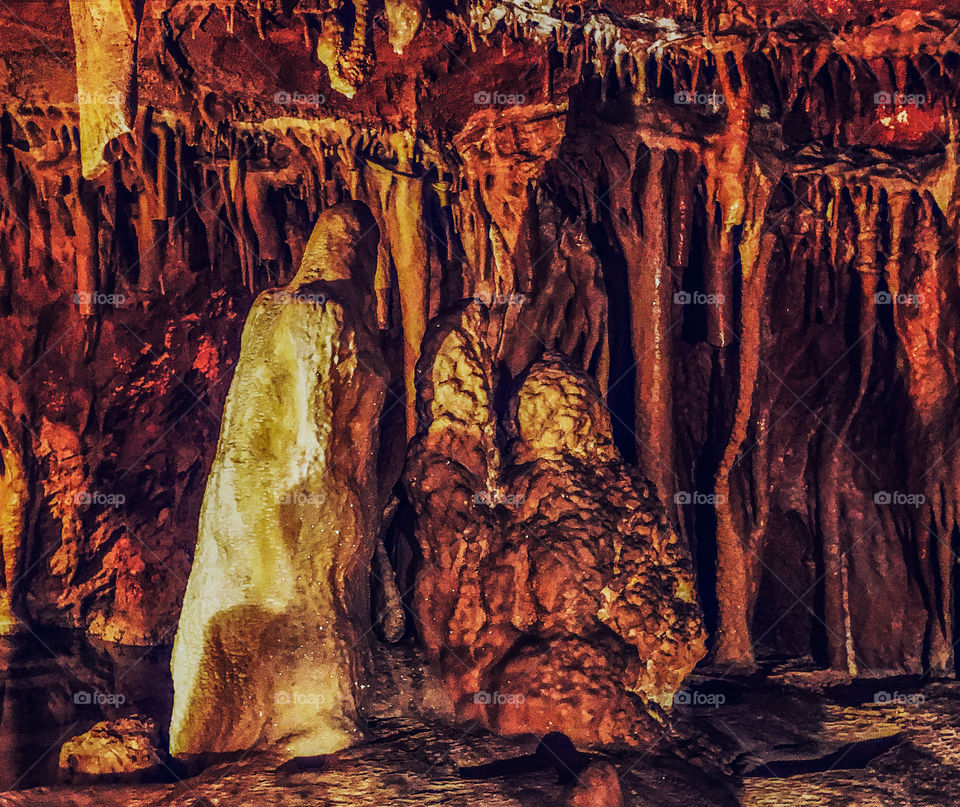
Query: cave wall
point(739, 219)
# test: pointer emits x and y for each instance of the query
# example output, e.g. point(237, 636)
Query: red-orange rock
point(599, 786)
point(553, 595)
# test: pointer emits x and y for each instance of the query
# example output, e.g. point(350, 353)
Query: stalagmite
point(105, 33)
point(520, 593)
point(271, 645)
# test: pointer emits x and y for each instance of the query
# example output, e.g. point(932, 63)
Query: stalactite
point(836, 600)
point(681, 211)
point(85, 226)
point(725, 161)
point(736, 562)
point(400, 196)
point(104, 33)
point(259, 210)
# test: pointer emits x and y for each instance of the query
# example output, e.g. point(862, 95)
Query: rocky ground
point(788, 734)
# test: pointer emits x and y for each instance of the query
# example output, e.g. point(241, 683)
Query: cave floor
point(786, 735)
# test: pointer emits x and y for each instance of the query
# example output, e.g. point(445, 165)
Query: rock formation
point(14, 504)
point(105, 36)
point(272, 641)
point(737, 217)
point(128, 746)
point(553, 595)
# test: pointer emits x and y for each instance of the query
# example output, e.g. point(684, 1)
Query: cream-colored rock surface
point(272, 641)
point(105, 36)
point(130, 745)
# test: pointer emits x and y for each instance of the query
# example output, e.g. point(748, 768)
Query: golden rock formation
point(125, 746)
point(270, 646)
point(105, 35)
point(14, 503)
point(404, 18)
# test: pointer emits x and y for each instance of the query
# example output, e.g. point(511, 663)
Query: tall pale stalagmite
point(271, 642)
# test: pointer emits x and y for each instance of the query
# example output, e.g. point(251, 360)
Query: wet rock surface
point(553, 595)
point(272, 641)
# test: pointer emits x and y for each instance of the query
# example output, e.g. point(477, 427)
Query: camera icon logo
point(883, 497)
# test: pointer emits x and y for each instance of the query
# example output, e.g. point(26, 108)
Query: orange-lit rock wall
point(742, 223)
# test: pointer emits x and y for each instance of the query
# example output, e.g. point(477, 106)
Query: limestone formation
point(105, 34)
point(14, 506)
point(271, 645)
point(598, 786)
point(128, 746)
point(404, 18)
point(554, 596)
point(703, 205)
